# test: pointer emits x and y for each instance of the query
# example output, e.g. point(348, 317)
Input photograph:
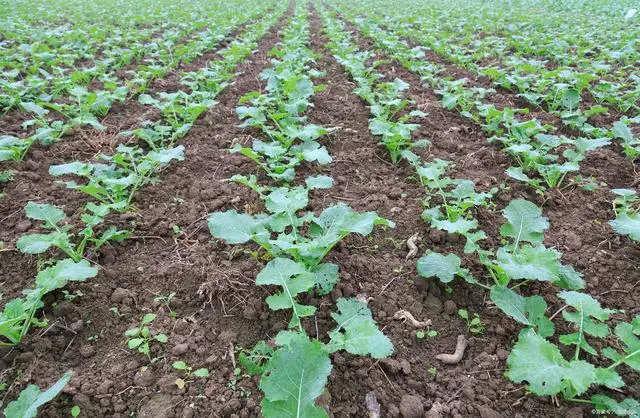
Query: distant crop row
point(60, 96)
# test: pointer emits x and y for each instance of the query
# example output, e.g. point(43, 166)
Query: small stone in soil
point(411, 407)
point(180, 349)
point(87, 351)
point(450, 307)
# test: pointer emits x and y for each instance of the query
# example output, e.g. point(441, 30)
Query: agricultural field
point(319, 208)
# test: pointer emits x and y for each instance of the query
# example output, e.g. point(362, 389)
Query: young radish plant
point(61, 236)
point(295, 373)
point(115, 184)
point(450, 202)
point(627, 209)
point(19, 314)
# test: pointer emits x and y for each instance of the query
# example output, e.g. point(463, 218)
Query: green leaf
point(313, 151)
point(64, 271)
point(530, 263)
point(569, 278)
point(437, 265)
point(133, 332)
point(340, 220)
point(628, 333)
point(75, 411)
point(49, 214)
point(78, 168)
point(361, 335)
point(319, 182)
point(165, 156)
point(179, 365)
point(201, 373)
point(606, 405)
point(540, 363)
point(511, 303)
point(34, 108)
point(296, 375)
point(516, 173)
point(622, 131)
point(326, 276)
point(587, 311)
point(135, 343)
point(287, 200)
point(39, 243)
point(524, 222)
point(627, 224)
point(571, 98)
point(236, 228)
point(148, 318)
point(293, 278)
point(459, 226)
point(31, 398)
point(609, 378)
point(525, 310)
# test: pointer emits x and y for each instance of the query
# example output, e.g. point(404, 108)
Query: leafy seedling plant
point(32, 398)
point(114, 184)
point(61, 237)
point(19, 314)
point(305, 238)
point(188, 372)
point(140, 337)
point(75, 411)
point(295, 373)
point(457, 199)
point(627, 208)
point(430, 333)
point(630, 144)
point(166, 301)
point(474, 323)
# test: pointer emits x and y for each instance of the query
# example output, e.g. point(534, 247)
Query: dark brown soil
point(219, 309)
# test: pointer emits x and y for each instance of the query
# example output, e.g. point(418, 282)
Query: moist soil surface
point(217, 309)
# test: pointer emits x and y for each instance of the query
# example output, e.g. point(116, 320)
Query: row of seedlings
point(295, 240)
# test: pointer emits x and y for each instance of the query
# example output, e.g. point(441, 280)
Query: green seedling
point(166, 301)
point(140, 337)
point(189, 373)
point(474, 323)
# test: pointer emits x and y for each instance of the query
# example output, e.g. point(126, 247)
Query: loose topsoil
point(217, 309)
